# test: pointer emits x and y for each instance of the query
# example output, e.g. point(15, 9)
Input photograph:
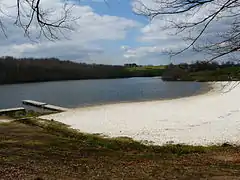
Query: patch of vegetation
point(202, 71)
point(224, 74)
point(25, 114)
point(63, 130)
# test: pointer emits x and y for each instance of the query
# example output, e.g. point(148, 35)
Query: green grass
point(25, 114)
point(144, 68)
point(146, 71)
point(118, 143)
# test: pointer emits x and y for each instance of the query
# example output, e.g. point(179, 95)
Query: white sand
point(206, 119)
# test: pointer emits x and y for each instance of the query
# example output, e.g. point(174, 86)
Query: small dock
point(55, 108)
point(44, 105)
point(34, 103)
point(10, 110)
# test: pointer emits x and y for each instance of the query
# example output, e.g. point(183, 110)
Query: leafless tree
point(31, 14)
point(196, 24)
point(195, 19)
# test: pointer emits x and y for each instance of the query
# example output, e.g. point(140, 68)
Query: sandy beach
point(205, 119)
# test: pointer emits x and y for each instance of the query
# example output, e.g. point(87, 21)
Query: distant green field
point(144, 68)
point(146, 71)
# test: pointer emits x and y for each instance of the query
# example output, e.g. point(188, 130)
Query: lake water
point(93, 92)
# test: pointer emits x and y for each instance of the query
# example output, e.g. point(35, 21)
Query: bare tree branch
point(223, 10)
point(32, 14)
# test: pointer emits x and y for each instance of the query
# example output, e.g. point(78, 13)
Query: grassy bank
point(32, 148)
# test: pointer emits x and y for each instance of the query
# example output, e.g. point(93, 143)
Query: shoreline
point(91, 79)
point(196, 88)
point(208, 119)
point(206, 89)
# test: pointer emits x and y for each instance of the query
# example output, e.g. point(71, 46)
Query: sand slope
point(206, 119)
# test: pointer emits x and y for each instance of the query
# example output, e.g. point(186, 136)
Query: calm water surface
point(93, 92)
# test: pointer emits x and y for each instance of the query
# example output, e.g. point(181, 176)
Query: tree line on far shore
point(203, 71)
point(24, 70)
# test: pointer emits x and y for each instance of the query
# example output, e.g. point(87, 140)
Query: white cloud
point(92, 31)
point(158, 33)
point(84, 43)
point(142, 51)
point(145, 55)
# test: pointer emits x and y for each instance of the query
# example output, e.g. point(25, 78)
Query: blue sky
point(124, 9)
point(107, 33)
point(119, 8)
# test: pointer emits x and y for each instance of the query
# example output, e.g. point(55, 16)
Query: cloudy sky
point(104, 33)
